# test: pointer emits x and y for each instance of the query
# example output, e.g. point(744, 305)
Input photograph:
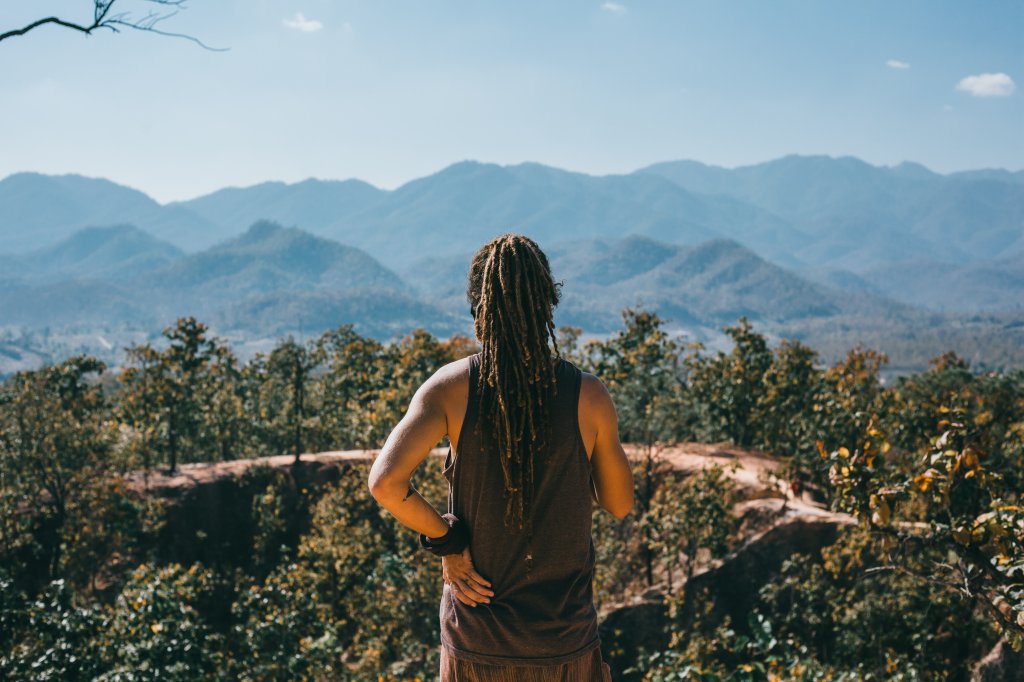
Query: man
point(535, 442)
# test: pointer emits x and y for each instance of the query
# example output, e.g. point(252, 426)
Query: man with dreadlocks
point(534, 442)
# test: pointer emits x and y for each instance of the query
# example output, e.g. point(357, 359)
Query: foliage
point(56, 444)
point(727, 387)
point(949, 519)
point(691, 520)
point(326, 584)
point(640, 367)
point(174, 390)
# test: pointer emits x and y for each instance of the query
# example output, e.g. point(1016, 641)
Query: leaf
point(962, 536)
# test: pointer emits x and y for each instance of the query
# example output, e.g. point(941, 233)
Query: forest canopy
point(923, 578)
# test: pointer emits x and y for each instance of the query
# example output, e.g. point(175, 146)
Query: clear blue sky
point(389, 90)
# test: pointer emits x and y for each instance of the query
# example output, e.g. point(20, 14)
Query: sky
point(390, 90)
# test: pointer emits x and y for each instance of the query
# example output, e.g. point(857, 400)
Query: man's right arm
point(613, 478)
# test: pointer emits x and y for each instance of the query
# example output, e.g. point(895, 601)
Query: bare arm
point(423, 425)
point(407, 446)
point(613, 478)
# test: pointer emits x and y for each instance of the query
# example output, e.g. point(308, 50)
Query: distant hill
point(378, 313)
point(860, 216)
point(987, 286)
point(699, 289)
point(707, 285)
point(313, 205)
point(468, 203)
point(269, 278)
point(115, 252)
point(271, 258)
point(839, 221)
point(38, 210)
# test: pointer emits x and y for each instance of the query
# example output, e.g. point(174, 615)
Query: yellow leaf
point(882, 513)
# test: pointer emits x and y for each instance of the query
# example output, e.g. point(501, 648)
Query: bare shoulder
point(593, 389)
point(451, 373)
point(448, 383)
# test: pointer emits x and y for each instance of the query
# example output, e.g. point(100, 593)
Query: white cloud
point(897, 64)
point(346, 27)
point(987, 85)
point(300, 23)
point(614, 8)
point(947, 107)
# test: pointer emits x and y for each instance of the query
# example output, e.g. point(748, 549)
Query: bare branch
point(48, 20)
point(102, 18)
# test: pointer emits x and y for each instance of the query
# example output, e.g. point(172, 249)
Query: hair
point(512, 297)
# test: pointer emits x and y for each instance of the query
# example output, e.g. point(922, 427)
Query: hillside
point(115, 252)
point(706, 285)
point(267, 280)
point(470, 202)
point(814, 214)
point(859, 216)
point(213, 502)
point(38, 210)
point(312, 204)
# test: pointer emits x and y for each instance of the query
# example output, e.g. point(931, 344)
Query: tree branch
point(102, 18)
point(49, 20)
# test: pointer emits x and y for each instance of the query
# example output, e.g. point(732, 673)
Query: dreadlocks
point(512, 297)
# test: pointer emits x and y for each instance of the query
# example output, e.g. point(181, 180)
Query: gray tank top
point(544, 615)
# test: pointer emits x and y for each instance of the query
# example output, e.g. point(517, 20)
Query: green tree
point(183, 379)
point(55, 441)
point(286, 394)
point(641, 367)
point(351, 388)
point(691, 521)
point(727, 388)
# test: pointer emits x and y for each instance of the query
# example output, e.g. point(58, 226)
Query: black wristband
point(452, 542)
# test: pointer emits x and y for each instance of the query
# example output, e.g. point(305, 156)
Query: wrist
point(453, 541)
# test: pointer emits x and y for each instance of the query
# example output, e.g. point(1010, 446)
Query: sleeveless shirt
point(544, 615)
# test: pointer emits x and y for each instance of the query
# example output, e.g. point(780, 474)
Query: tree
point(224, 419)
point(641, 368)
point(691, 513)
point(55, 441)
point(289, 370)
point(351, 387)
point(950, 513)
point(787, 416)
point(727, 388)
point(181, 381)
point(103, 17)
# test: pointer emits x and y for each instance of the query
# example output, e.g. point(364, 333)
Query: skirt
point(587, 668)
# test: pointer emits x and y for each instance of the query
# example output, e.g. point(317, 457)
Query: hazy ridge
point(831, 250)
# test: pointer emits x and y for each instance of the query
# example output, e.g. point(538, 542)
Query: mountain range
point(831, 250)
point(837, 221)
point(267, 280)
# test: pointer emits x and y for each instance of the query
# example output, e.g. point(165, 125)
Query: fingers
point(475, 592)
point(463, 568)
point(479, 579)
point(476, 583)
point(471, 569)
point(461, 594)
point(465, 592)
